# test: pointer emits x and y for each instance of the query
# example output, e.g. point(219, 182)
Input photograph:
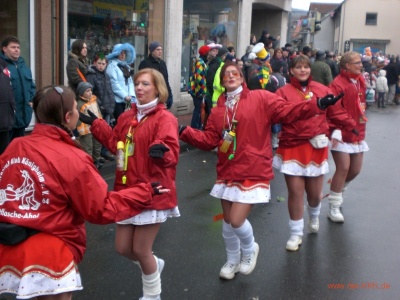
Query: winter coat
point(160, 127)
point(23, 88)
point(74, 64)
point(197, 82)
point(256, 111)
point(213, 66)
point(159, 65)
point(353, 102)
point(102, 89)
point(392, 73)
point(7, 101)
point(321, 72)
point(382, 83)
point(299, 132)
point(121, 86)
point(83, 106)
point(51, 185)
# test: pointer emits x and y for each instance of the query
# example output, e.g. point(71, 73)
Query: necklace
point(306, 95)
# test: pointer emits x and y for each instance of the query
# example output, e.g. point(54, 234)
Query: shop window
point(371, 19)
point(104, 23)
point(204, 22)
point(14, 20)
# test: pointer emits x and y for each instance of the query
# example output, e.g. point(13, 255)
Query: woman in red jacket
point(149, 134)
point(48, 187)
point(240, 126)
point(302, 155)
point(348, 146)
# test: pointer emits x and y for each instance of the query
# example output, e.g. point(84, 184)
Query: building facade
point(46, 29)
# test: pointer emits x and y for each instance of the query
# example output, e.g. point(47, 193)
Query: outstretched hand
point(328, 100)
point(87, 119)
point(158, 150)
point(158, 188)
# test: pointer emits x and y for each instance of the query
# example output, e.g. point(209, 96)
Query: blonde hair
point(159, 82)
point(346, 58)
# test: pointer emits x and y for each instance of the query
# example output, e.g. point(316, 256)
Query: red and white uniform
point(47, 183)
point(158, 127)
point(255, 111)
point(354, 103)
point(295, 155)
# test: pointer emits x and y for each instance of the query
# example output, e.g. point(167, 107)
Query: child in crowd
point(382, 88)
point(88, 101)
point(102, 89)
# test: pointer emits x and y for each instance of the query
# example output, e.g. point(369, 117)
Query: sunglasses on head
point(60, 91)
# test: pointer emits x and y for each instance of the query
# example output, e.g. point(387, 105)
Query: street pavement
point(355, 260)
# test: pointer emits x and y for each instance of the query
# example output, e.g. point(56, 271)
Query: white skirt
point(296, 169)
point(350, 148)
point(241, 192)
point(151, 217)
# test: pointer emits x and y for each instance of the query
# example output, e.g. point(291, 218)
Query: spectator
point(77, 64)
point(260, 70)
point(62, 189)
point(253, 39)
point(7, 106)
point(307, 51)
point(392, 75)
point(278, 56)
point(154, 61)
point(246, 60)
point(331, 60)
point(198, 87)
point(320, 70)
point(382, 88)
point(22, 84)
point(102, 89)
point(217, 86)
point(120, 74)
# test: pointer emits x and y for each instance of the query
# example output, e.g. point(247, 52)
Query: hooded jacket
point(382, 83)
point(102, 89)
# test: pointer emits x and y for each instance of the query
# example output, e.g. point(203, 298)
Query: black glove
point(87, 119)
point(181, 128)
point(155, 186)
point(355, 131)
point(328, 100)
point(158, 150)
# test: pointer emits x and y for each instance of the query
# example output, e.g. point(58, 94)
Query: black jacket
point(7, 101)
point(159, 65)
point(102, 89)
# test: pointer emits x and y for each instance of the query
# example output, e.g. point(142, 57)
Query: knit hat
point(204, 50)
point(83, 86)
point(118, 48)
point(260, 52)
point(222, 51)
point(153, 46)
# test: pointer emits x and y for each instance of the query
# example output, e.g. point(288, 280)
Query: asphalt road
point(355, 260)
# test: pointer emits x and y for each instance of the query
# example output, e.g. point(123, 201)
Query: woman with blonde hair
point(148, 134)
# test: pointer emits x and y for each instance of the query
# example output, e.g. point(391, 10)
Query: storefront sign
point(101, 10)
point(80, 7)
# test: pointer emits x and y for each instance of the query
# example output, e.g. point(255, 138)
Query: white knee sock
point(245, 234)
point(335, 198)
point(232, 243)
point(296, 227)
point(313, 212)
point(151, 285)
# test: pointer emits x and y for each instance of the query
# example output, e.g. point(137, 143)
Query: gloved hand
point(181, 128)
point(158, 150)
point(87, 119)
point(328, 100)
point(355, 131)
point(158, 189)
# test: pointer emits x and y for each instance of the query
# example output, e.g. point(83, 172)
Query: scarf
point(232, 97)
point(145, 109)
point(358, 77)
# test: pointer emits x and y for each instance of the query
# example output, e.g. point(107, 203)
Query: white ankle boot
point(335, 201)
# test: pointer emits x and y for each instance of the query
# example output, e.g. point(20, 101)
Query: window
point(371, 19)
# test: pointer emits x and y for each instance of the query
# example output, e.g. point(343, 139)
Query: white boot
point(335, 201)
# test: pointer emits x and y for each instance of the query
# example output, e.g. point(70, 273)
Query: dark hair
point(300, 59)
point(99, 56)
point(230, 48)
point(77, 47)
point(8, 40)
point(50, 106)
point(276, 65)
point(226, 65)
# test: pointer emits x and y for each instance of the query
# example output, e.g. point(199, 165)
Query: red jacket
point(256, 111)
point(49, 184)
point(353, 103)
point(160, 127)
point(299, 132)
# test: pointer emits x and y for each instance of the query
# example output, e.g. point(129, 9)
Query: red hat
point(204, 50)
